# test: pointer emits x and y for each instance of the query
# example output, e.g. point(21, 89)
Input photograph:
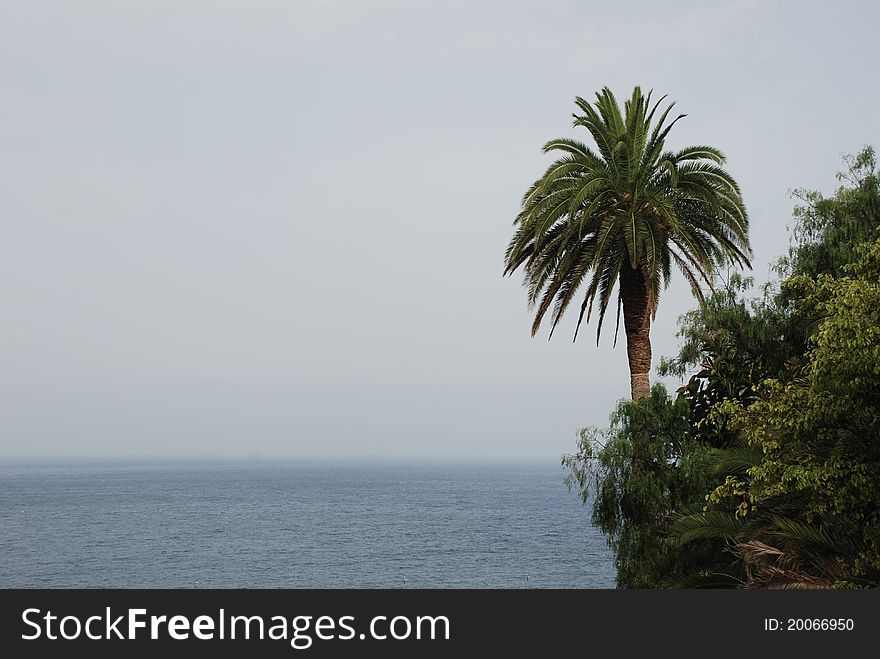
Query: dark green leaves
point(630, 203)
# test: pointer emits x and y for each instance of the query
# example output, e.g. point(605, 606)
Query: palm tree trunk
point(637, 324)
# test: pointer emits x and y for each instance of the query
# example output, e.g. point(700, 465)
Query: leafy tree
point(640, 472)
point(620, 217)
point(768, 472)
point(820, 436)
point(828, 230)
point(735, 343)
point(804, 513)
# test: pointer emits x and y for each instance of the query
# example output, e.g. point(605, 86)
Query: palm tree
point(620, 217)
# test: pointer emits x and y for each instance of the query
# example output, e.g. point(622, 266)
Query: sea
point(296, 525)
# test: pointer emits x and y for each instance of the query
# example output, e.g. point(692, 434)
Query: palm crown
point(619, 217)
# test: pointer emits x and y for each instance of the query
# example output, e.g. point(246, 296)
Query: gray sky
point(254, 228)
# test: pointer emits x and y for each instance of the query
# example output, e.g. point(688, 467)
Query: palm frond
point(704, 525)
point(624, 204)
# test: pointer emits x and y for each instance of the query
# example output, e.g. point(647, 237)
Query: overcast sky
point(255, 228)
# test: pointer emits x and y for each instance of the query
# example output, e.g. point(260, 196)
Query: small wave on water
point(297, 526)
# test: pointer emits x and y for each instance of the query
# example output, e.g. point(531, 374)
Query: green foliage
point(821, 437)
point(810, 506)
point(736, 343)
point(755, 332)
point(638, 473)
point(628, 205)
point(765, 470)
point(828, 230)
point(707, 524)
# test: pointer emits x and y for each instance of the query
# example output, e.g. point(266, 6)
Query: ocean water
point(297, 526)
